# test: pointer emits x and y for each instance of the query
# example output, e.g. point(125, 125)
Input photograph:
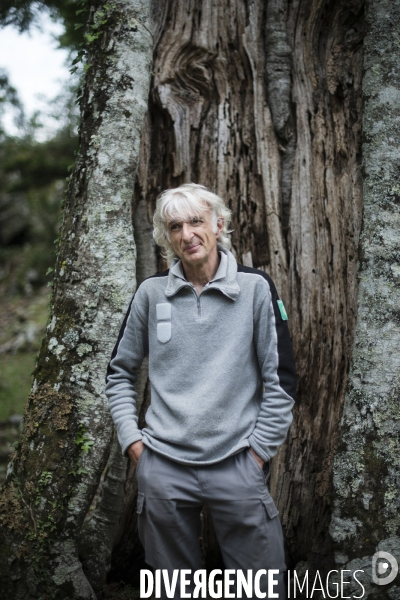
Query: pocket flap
point(140, 503)
point(164, 331)
point(163, 310)
point(270, 507)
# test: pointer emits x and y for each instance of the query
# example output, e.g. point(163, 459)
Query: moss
point(47, 411)
point(12, 510)
point(34, 498)
point(41, 471)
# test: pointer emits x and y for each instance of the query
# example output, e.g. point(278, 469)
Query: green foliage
point(45, 478)
point(94, 31)
point(96, 28)
point(24, 13)
point(9, 97)
point(28, 165)
point(84, 444)
point(81, 440)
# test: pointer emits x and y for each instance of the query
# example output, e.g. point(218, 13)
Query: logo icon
point(381, 561)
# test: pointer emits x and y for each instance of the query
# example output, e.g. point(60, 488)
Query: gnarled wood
point(261, 102)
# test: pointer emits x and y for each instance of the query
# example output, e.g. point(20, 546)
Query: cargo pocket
point(274, 534)
point(144, 528)
point(270, 507)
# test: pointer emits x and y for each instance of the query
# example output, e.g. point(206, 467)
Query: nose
point(187, 232)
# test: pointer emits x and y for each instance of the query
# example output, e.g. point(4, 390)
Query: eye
point(174, 227)
point(195, 221)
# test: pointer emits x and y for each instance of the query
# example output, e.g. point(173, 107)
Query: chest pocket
point(164, 329)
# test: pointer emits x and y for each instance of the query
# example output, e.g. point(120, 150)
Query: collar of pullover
point(224, 279)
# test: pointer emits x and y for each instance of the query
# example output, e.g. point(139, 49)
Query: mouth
point(191, 249)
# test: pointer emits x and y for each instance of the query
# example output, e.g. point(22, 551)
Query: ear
point(220, 226)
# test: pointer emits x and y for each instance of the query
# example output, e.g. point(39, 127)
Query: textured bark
point(261, 102)
point(325, 222)
point(113, 523)
point(67, 426)
point(98, 536)
point(114, 514)
point(367, 467)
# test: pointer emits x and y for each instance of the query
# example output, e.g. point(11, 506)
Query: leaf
point(91, 38)
point(86, 446)
point(81, 471)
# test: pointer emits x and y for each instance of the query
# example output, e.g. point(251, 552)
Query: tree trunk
point(67, 426)
point(367, 468)
point(261, 102)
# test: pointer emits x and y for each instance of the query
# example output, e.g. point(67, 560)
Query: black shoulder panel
point(160, 274)
point(286, 366)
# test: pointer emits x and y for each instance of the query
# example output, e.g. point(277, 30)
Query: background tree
point(367, 468)
point(67, 426)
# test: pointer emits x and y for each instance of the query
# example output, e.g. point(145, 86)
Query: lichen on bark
point(367, 465)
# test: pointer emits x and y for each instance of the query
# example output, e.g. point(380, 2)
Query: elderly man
point(222, 389)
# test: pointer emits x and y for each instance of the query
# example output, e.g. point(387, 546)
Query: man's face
point(193, 239)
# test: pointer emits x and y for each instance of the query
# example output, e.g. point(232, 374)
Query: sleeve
point(276, 361)
point(122, 372)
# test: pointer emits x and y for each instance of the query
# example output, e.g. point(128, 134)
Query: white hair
point(184, 202)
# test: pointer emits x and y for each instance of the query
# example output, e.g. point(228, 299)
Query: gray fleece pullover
point(220, 365)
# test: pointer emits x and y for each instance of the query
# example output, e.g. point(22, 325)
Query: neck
point(201, 274)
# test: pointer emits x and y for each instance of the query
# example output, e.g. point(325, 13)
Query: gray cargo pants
point(245, 519)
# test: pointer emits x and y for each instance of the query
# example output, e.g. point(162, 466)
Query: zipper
point(197, 300)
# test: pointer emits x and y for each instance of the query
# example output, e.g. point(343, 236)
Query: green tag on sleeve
point(283, 311)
